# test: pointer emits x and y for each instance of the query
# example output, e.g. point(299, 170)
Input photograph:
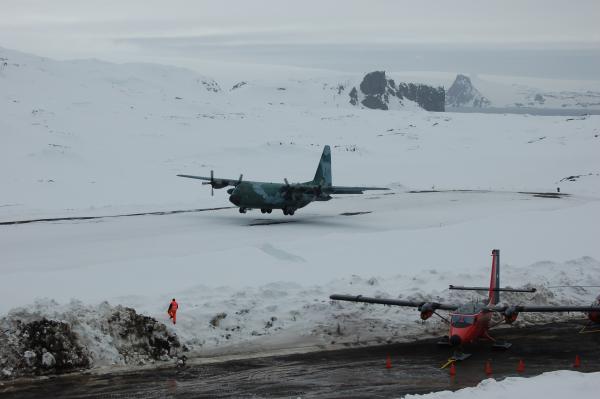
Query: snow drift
point(553, 385)
point(48, 338)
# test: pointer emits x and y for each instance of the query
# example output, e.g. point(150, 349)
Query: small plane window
point(461, 321)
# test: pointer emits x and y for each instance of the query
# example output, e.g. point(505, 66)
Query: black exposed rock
point(462, 93)
point(238, 85)
point(374, 102)
point(353, 96)
point(377, 91)
point(428, 97)
point(374, 83)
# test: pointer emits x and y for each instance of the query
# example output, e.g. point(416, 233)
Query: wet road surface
point(348, 373)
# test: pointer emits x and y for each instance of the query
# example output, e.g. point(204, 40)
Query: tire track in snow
point(156, 213)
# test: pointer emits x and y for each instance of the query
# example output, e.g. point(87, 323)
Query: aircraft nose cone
point(455, 340)
point(235, 199)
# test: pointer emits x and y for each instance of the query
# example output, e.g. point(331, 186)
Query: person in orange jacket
point(172, 311)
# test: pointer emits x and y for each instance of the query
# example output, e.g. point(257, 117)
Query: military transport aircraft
point(285, 196)
point(470, 322)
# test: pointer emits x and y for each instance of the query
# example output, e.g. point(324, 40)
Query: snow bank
point(48, 338)
point(218, 320)
point(280, 315)
point(553, 385)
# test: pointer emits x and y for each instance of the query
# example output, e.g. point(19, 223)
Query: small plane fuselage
point(466, 328)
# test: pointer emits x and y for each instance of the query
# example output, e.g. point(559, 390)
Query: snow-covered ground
point(555, 384)
point(87, 138)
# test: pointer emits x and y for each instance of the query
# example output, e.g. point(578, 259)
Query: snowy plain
point(89, 138)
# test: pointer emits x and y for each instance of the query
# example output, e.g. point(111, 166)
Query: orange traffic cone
point(577, 362)
point(452, 369)
point(488, 368)
point(388, 362)
point(521, 366)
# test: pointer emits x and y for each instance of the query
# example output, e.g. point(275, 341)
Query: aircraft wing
point(395, 302)
point(526, 308)
point(217, 182)
point(351, 190)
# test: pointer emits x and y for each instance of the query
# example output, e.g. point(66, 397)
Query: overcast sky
point(120, 29)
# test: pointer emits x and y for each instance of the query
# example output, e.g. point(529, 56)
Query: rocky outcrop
point(377, 92)
point(462, 93)
point(46, 341)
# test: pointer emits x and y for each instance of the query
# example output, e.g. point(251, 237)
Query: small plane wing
point(527, 308)
point(395, 302)
point(350, 190)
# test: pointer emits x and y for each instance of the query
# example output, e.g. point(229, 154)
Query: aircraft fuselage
point(259, 195)
point(468, 328)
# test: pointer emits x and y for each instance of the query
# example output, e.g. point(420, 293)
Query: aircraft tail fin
point(495, 278)
point(323, 174)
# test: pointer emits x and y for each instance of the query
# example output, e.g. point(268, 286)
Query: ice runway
point(105, 258)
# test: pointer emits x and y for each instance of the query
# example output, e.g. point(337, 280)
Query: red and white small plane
point(470, 322)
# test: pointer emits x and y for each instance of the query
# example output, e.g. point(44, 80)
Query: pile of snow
point(48, 338)
point(552, 385)
point(225, 320)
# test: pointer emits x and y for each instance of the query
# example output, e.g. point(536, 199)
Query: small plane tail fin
point(323, 174)
point(495, 278)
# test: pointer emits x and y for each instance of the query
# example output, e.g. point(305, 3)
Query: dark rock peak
point(463, 93)
point(374, 83)
point(378, 89)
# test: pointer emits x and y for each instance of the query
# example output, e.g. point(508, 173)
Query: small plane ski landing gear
point(456, 357)
point(590, 328)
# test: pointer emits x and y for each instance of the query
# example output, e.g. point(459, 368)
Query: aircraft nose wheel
point(242, 210)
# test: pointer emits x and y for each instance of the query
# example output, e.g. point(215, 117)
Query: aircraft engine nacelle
point(219, 183)
point(427, 310)
point(510, 315)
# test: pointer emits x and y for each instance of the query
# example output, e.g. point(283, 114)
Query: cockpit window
point(461, 321)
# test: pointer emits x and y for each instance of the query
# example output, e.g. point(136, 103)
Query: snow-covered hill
point(88, 138)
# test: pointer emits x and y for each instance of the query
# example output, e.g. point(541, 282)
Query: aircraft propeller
point(220, 183)
point(211, 182)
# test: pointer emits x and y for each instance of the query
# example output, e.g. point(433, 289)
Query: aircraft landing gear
point(288, 211)
point(501, 345)
point(242, 210)
point(266, 210)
